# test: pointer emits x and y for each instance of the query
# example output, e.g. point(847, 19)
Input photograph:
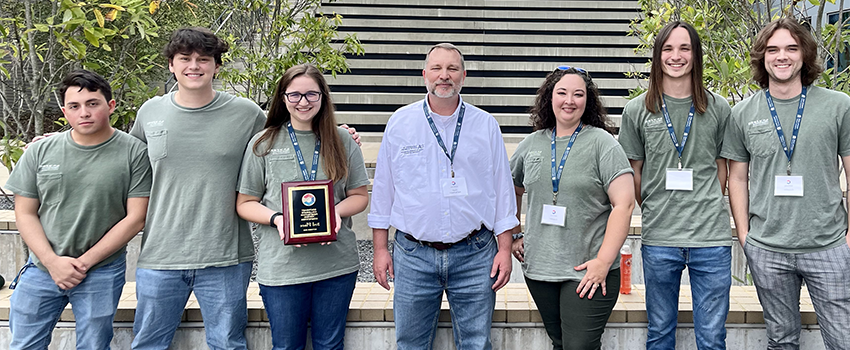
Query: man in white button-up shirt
point(443, 181)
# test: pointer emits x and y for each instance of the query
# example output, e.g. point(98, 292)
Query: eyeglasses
point(295, 97)
point(580, 70)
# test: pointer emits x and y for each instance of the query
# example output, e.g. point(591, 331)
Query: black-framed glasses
point(580, 70)
point(295, 97)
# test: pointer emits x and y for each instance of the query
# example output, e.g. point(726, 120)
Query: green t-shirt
point(697, 218)
point(279, 264)
point(196, 154)
point(82, 190)
point(818, 220)
point(552, 252)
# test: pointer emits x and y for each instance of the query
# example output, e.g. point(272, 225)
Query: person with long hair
point(679, 173)
point(578, 214)
point(784, 143)
point(314, 282)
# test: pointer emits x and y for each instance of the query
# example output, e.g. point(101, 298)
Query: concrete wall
point(618, 336)
point(13, 255)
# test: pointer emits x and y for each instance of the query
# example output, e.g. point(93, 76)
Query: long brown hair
point(656, 73)
point(811, 68)
point(332, 152)
point(542, 115)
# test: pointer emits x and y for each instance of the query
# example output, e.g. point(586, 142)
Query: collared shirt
point(406, 192)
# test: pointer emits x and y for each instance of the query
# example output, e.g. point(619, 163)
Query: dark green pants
point(574, 323)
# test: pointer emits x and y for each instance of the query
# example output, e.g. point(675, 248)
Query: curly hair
point(808, 47)
point(543, 116)
point(195, 39)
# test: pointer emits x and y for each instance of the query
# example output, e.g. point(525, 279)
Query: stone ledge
point(371, 303)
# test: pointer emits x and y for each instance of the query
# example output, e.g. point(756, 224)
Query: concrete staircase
point(509, 47)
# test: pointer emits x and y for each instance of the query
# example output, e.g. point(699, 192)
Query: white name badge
point(788, 186)
point(680, 180)
point(554, 215)
point(454, 187)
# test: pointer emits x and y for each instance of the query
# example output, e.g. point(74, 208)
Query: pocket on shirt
point(532, 170)
point(49, 187)
point(658, 139)
point(413, 170)
point(157, 144)
point(283, 168)
point(762, 141)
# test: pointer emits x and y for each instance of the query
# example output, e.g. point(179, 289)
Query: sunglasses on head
point(580, 70)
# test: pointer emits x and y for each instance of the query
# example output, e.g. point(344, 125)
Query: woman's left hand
point(594, 278)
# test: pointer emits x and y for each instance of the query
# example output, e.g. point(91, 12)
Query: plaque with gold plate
point(308, 212)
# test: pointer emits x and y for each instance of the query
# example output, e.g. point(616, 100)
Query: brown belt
point(439, 245)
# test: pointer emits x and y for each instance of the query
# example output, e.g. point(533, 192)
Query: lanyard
point(312, 174)
point(679, 148)
point(440, 139)
point(556, 175)
point(789, 151)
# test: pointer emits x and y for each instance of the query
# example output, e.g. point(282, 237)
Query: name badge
point(788, 186)
point(454, 187)
point(680, 180)
point(554, 215)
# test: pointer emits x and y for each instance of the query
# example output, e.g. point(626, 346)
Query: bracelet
point(517, 236)
point(274, 216)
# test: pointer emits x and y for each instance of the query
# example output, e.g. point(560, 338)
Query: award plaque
point(308, 212)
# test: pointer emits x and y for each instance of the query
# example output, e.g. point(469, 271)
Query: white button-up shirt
point(406, 192)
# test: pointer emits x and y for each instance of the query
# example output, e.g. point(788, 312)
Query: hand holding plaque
point(309, 214)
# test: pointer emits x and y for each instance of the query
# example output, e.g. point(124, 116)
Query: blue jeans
point(221, 293)
point(324, 303)
point(710, 271)
point(37, 303)
point(422, 274)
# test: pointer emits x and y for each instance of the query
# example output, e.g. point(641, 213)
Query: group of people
point(199, 164)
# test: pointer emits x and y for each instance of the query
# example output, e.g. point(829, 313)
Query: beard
point(441, 93)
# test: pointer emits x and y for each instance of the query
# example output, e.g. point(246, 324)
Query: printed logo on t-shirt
point(155, 123)
point(48, 168)
point(280, 151)
point(759, 122)
point(652, 122)
point(308, 199)
point(412, 149)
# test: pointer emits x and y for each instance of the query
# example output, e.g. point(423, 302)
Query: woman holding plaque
point(580, 201)
point(304, 282)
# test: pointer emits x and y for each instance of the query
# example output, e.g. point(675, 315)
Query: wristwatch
point(517, 236)
point(274, 216)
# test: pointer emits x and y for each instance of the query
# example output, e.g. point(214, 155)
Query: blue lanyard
point(556, 175)
point(789, 151)
point(440, 139)
point(312, 174)
point(679, 147)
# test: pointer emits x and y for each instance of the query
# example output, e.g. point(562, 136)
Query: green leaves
point(268, 37)
point(727, 29)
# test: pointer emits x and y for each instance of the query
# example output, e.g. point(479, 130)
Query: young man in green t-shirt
point(786, 140)
point(193, 240)
point(80, 196)
point(672, 135)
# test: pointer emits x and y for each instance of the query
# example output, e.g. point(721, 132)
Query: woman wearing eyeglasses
point(580, 200)
point(303, 282)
